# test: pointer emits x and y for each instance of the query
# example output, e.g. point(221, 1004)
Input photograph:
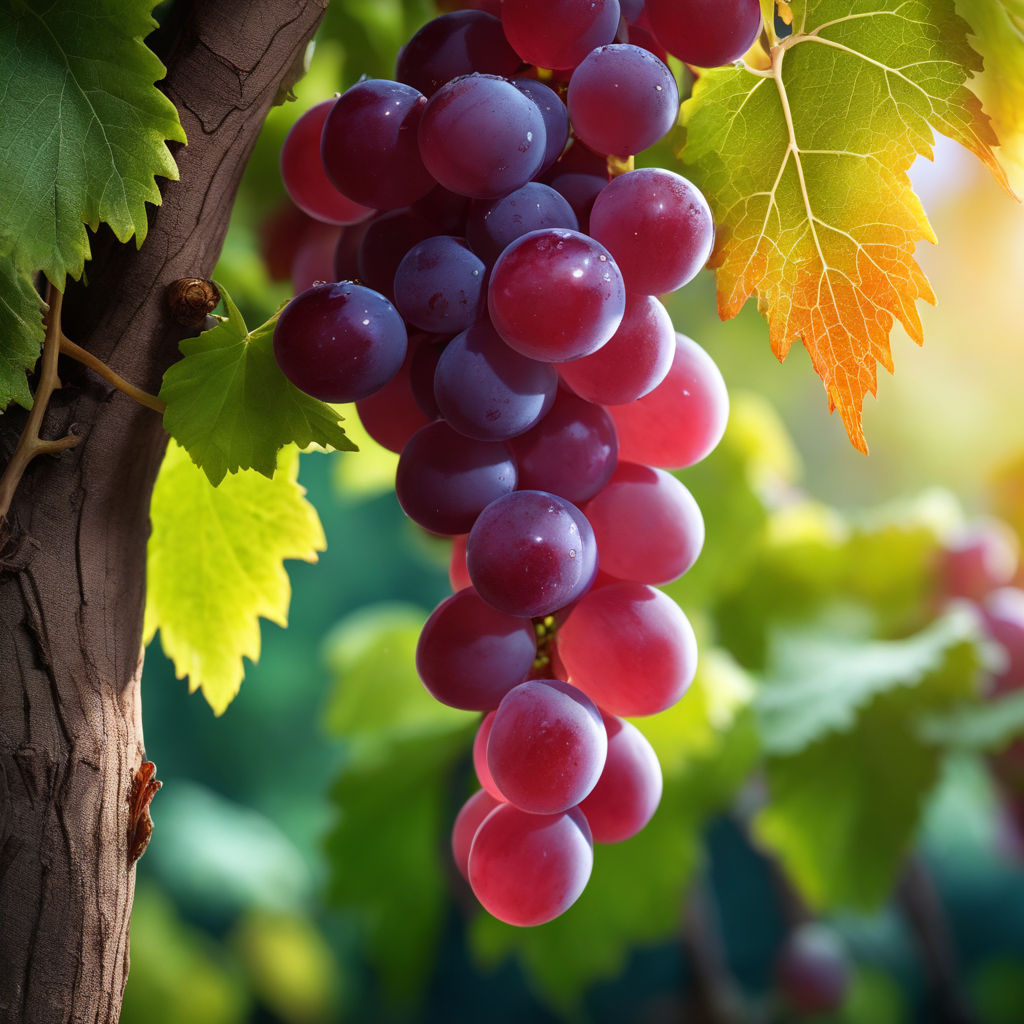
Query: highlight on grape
point(496, 316)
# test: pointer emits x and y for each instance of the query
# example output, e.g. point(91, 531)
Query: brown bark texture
point(72, 570)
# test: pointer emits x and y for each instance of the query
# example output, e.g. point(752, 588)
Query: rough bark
point(72, 573)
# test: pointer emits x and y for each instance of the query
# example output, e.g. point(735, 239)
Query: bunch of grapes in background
point(492, 311)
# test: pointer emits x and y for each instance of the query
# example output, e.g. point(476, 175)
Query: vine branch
point(69, 348)
point(30, 444)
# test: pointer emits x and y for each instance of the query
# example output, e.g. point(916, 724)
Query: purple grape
point(813, 970)
point(571, 452)
point(480, 136)
point(303, 173)
point(439, 285)
point(707, 33)
point(558, 33)
point(444, 210)
point(547, 746)
point(622, 100)
point(494, 224)
point(1003, 616)
point(467, 821)
point(369, 145)
point(470, 654)
point(421, 373)
point(525, 554)
point(455, 44)
point(339, 342)
point(556, 295)
point(391, 415)
point(556, 118)
point(486, 390)
point(658, 227)
point(386, 240)
point(444, 480)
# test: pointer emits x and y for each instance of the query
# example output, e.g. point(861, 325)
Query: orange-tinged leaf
point(805, 167)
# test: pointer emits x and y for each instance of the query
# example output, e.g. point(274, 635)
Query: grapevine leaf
point(805, 167)
point(21, 328)
point(998, 27)
point(817, 685)
point(214, 566)
point(84, 129)
point(230, 406)
point(988, 726)
point(860, 785)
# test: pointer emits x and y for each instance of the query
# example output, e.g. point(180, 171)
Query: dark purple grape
point(421, 373)
point(494, 224)
point(525, 554)
point(813, 970)
point(391, 415)
point(1003, 616)
point(480, 136)
point(658, 227)
point(386, 240)
point(444, 480)
point(486, 390)
point(556, 295)
point(470, 655)
point(571, 452)
point(339, 342)
point(444, 210)
point(707, 33)
point(303, 174)
point(622, 100)
point(439, 285)
point(454, 44)
point(556, 117)
point(346, 252)
point(558, 33)
point(369, 145)
point(979, 558)
point(547, 746)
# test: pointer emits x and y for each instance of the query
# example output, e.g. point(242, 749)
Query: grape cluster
point(496, 321)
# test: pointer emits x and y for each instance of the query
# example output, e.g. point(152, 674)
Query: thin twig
point(69, 348)
point(716, 998)
point(917, 897)
point(30, 444)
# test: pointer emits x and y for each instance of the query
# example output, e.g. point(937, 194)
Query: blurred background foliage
point(299, 870)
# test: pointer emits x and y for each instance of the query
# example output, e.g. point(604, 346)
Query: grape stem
point(69, 348)
point(919, 901)
point(714, 996)
point(30, 444)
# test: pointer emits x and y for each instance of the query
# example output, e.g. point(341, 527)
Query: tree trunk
point(72, 571)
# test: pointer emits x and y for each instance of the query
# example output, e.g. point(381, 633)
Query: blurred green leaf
point(861, 789)
point(388, 850)
point(816, 684)
point(376, 691)
point(178, 972)
point(290, 966)
point(988, 725)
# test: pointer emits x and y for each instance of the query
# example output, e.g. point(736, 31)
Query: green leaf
point(21, 331)
point(231, 407)
point(988, 726)
point(388, 850)
point(805, 168)
point(844, 809)
point(214, 566)
point(377, 693)
point(817, 684)
point(84, 129)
